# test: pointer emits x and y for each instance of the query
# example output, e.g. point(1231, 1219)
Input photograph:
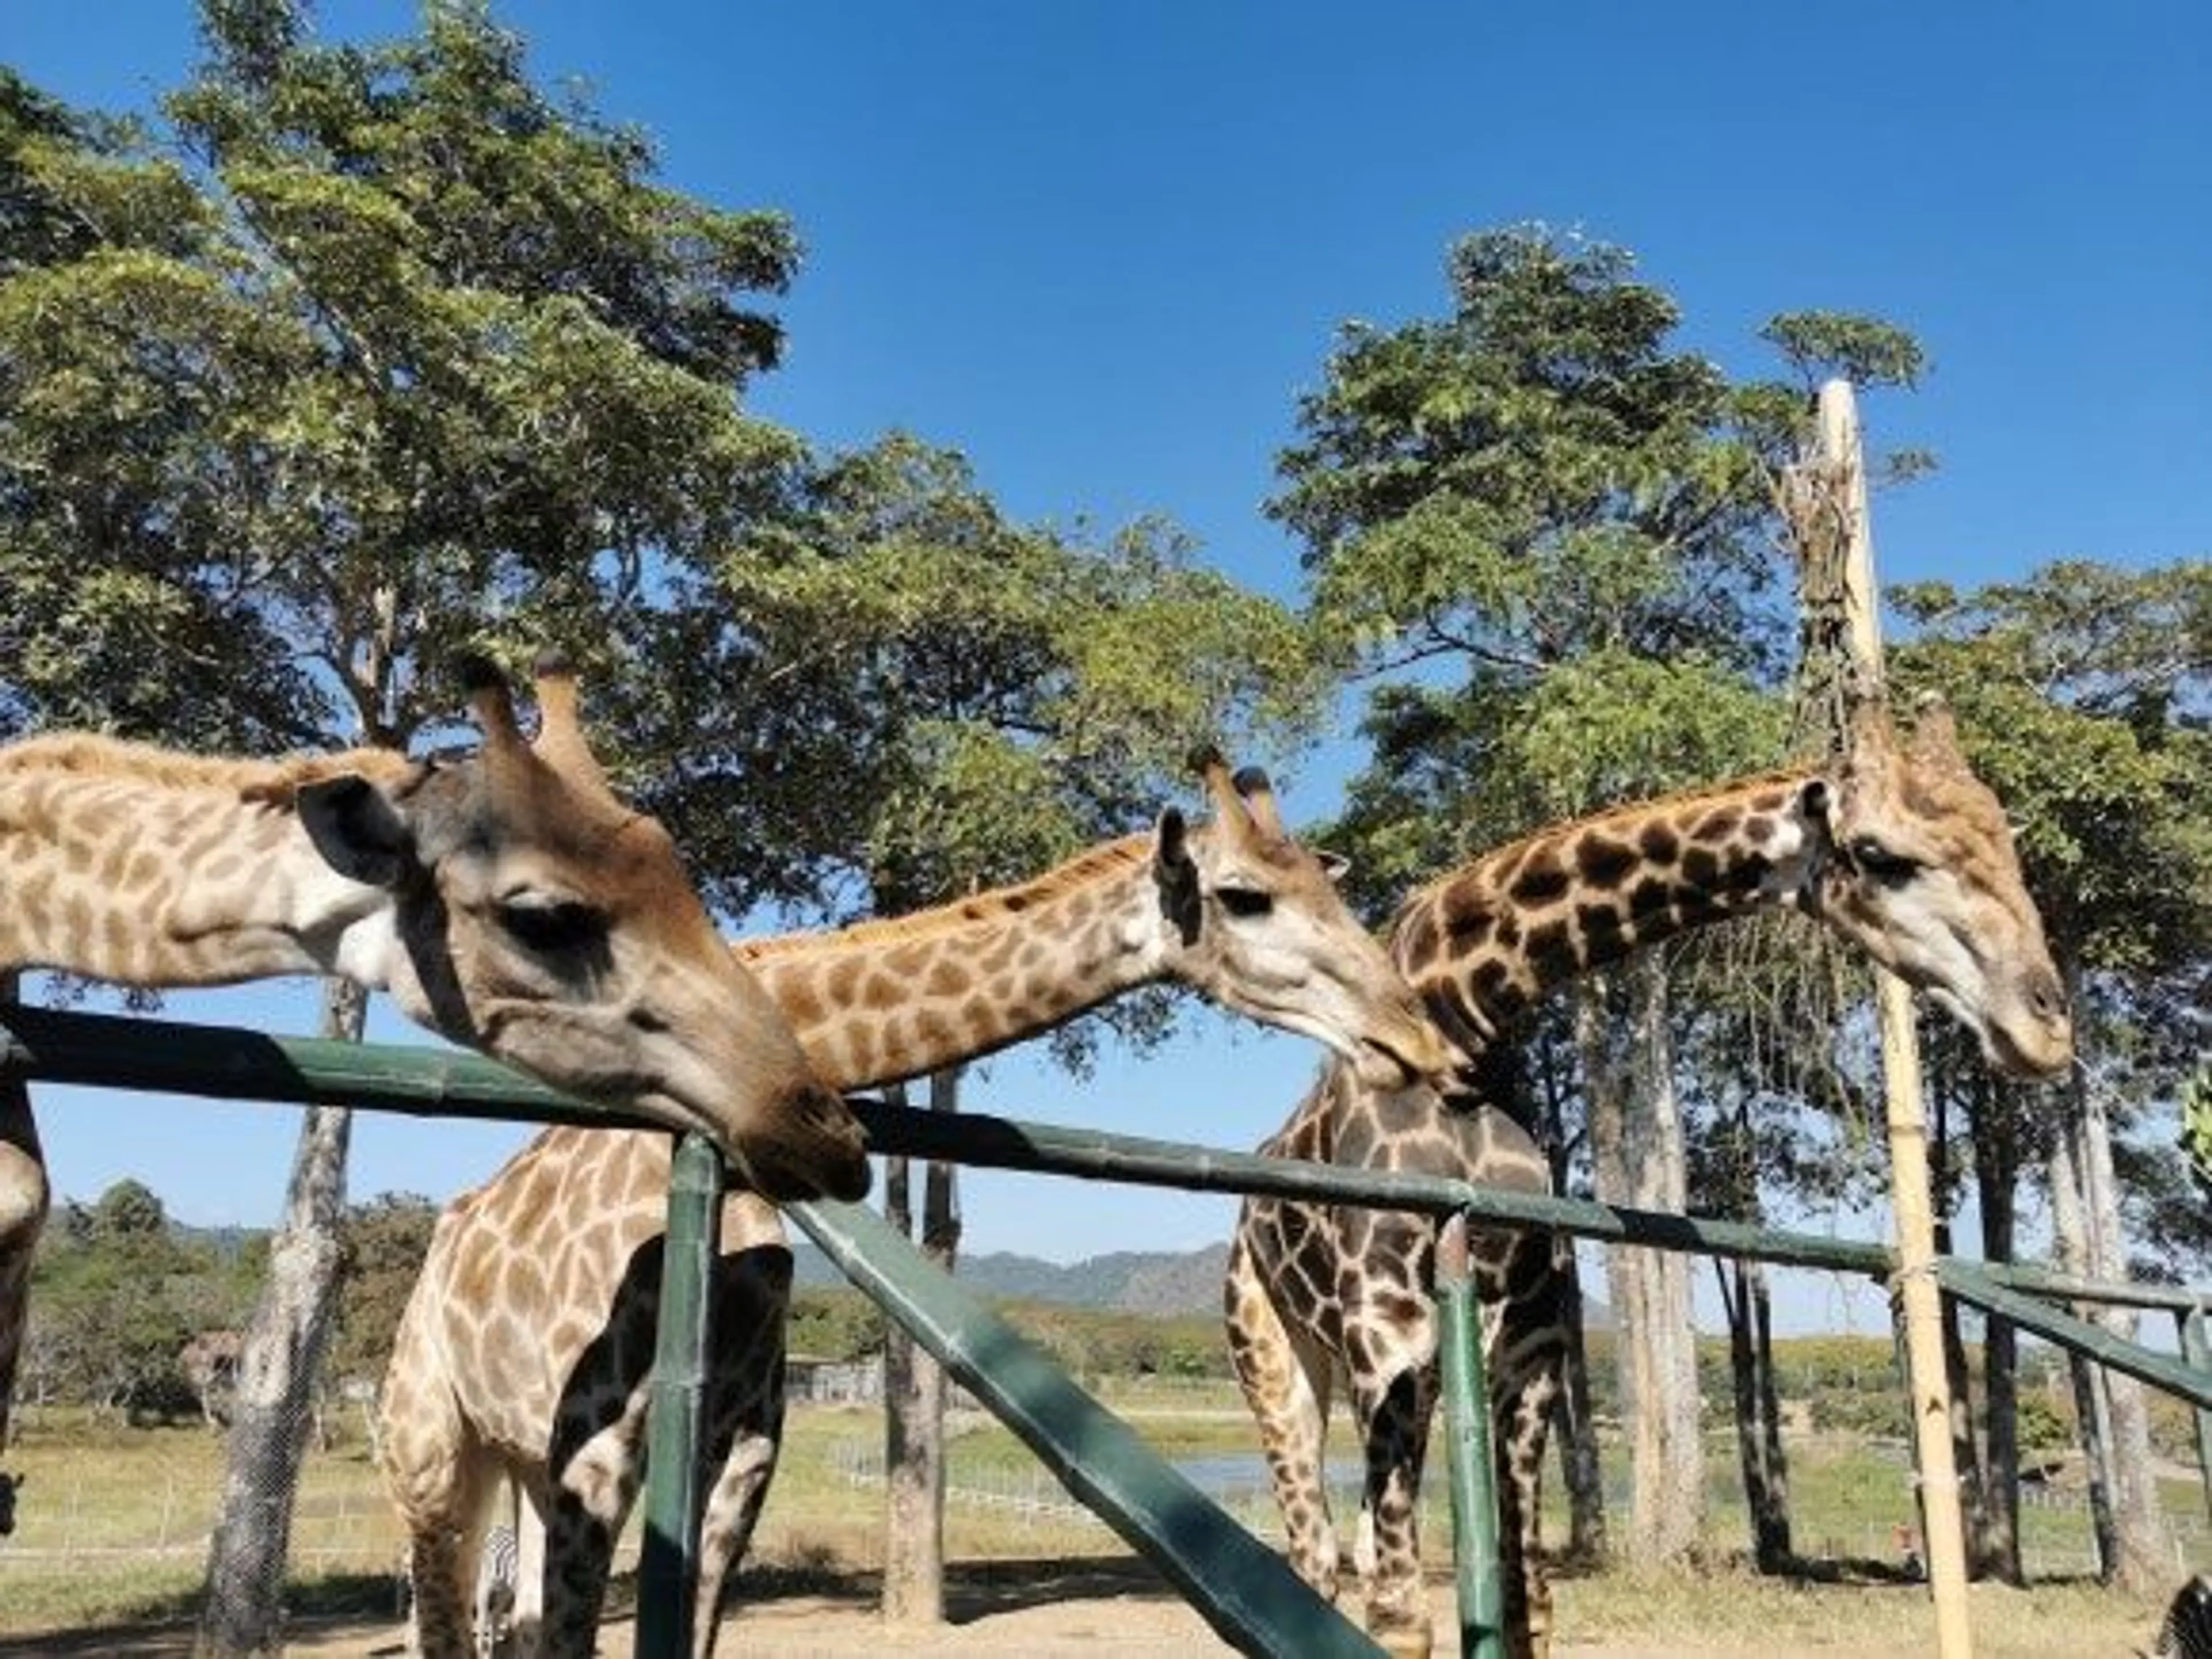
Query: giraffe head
point(1919, 868)
point(537, 917)
point(1252, 918)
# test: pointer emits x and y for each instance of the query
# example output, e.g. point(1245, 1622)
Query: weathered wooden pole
point(1843, 467)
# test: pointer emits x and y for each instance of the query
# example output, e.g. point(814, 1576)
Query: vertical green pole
point(2197, 1349)
point(1473, 1469)
point(668, 1564)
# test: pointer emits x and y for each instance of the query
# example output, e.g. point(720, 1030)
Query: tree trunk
point(1996, 1166)
point(1965, 1453)
point(914, 1548)
point(2144, 1561)
point(1634, 1108)
point(1759, 1453)
point(1958, 1374)
point(1574, 1424)
point(276, 1369)
point(2069, 1224)
point(2133, 1548)
point(1576, 1428)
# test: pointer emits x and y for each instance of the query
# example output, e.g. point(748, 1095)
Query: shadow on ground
point(973, 1589)
point(161, 1628)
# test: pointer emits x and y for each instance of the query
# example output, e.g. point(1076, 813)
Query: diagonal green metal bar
point(1967, 1281)
point(1245, 1590)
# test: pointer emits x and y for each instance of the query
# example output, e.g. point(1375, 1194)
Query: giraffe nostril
point(2045, 998)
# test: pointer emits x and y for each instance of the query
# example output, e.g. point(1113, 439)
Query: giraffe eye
point(1246, 901)
point(550, 927)
point(1880, 861)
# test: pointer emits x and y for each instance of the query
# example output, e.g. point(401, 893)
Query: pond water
point(1234, 1477)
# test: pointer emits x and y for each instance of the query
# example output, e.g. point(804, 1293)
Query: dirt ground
point(1106, 1610)
point(1072, 1625)
point(1113, 1608)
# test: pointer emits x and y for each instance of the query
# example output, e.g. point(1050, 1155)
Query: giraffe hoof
point(1403, 1639)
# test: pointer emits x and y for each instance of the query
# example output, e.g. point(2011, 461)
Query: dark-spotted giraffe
point(1902, 851)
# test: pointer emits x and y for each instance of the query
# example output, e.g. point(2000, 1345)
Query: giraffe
point(524, 1348)
point(1901, 850)
point(504, 898)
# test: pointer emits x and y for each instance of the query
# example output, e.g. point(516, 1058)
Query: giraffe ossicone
point(525, 1350)
point(1899, 849)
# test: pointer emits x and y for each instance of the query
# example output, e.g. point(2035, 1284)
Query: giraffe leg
point(1528, 1355)
point(1393, 1412)
point(752, 1308)
point(732, 1509)
point(441, 1483)
point(527, 1623)
point(1287, 1390)
point(591, 1500)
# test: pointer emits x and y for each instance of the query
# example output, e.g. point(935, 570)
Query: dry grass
point(114, 1526)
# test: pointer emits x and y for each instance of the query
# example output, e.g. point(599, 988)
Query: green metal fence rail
point(1243, 1590)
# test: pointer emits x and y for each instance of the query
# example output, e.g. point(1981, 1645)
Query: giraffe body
point(1902, 852)
point(505, 899)
point(526, 1347)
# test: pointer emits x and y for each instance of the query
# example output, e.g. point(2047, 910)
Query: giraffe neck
point(1485, 943)
point(131, 864)
point(895, 998)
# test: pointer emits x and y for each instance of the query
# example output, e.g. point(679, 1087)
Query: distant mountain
point(227, 1242)
point(1160, 1282)
point(1126, 1281)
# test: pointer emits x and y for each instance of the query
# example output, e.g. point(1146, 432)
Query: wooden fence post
point(1844, 465)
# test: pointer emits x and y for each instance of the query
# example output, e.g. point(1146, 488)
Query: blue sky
point(1101, 248)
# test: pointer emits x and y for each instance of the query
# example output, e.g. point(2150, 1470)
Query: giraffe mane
point(1509, 856)
point(1081, 871)
point(93, 755)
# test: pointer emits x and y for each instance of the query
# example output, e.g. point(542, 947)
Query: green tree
point(362, 353)
point(2195, 1138)
point(1551, 527)
point(2083, 693)
point(381, 1245)
point(1003, 694)
point(110, 1324)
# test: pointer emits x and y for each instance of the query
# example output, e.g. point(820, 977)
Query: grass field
point(114, 1521)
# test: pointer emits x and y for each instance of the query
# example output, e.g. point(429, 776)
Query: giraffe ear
point(1171, 846)
point(1813, 799)
point(1175, 872)
point(1334, 865)
point(356, 829)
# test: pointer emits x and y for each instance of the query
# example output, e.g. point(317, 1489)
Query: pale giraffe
point(531, 1329)
point(506, 899)
point(1902, 852)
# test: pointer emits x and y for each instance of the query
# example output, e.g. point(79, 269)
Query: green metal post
point(668, 1564)
point(1244, 1589)
point(2197, 1349)
point(1468, 1452)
